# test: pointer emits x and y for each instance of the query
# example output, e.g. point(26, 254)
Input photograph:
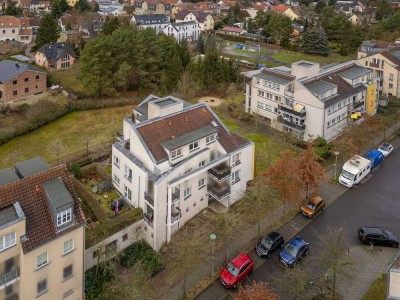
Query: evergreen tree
point(110, 25)
point(279, 27)
point(83, 5)
point(200, 44)
point(384, 10)
point(48, 31)
point(184, 53)
point(315, 42)
point(12, 9)
point(58, 8)
point(320, 6)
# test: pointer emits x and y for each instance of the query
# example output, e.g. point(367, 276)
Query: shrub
point(140, 251)
point(96, 277)
point(76, 170)
point(322, 148)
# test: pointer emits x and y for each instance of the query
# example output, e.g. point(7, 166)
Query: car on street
point(386, 149)
point(236, 271)
point(294, 251)
point(377, 236)
point(269, 243)
point(313, 207)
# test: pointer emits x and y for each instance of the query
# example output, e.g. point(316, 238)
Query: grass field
point(69, 80)
point(291, 57)
point(378, 290)
point(72, 130)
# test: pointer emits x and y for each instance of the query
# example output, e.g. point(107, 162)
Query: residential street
point(375, 202)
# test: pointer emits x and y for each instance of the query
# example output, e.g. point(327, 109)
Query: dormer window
point(176, 153)
point(210, 138)
point(64, 217)
point(193, 146)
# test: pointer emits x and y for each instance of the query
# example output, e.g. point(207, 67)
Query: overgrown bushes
point(96, 277)
point(151, 261)
point(322, 147)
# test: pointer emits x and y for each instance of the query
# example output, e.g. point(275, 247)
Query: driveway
point(375, 202)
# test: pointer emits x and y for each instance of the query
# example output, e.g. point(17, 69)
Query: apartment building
point(41, 233)
point(189, 31)
point(311, 102)
point(157, 22)
point(384, 59)
point(173, 159)
point(204, 19)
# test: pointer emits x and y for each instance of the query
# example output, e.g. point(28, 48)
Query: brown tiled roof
point(40, 227)
point(232, 29)
point(25, 32)
point(279, 75)
point(160, 131)
point(388, 54)
point(280, 8)
point(34, 22)
point(9, 21)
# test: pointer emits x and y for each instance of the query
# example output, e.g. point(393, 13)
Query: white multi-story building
point(311, 102)
point(189, 31)
point(157, 22)
point(173, 159)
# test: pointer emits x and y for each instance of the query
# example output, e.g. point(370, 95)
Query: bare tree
point(187, 86)
point(256, 291)
point(56, 147)
point(294, 283)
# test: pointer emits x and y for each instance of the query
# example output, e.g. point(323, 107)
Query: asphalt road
point(375, 202)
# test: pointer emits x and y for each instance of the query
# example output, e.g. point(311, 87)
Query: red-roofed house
point(174, 159)
point(286, 11)
point(204, 19)
point(236, 31)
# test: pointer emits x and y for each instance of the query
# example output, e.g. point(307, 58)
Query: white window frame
point(8, 240)
point(116, 161)
point(194, 146)
point(202, 163)
point(236, 176)
point(64, 217)
point(128, 173)
point(68, 246)
point(128, 193)
point(235, 159)
point(210, 139)
point(116, 179)
point(42, 260)
point(176, 153)
point(202, 183)
point(187, 192)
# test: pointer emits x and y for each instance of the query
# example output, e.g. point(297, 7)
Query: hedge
point(94, 283)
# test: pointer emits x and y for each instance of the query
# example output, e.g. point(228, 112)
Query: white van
point(354, 170)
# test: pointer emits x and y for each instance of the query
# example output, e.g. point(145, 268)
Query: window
point(194, 146)
point(65, 61)
point(116, 161)
point(7, 241)
point(68, 272)
point(64, 217)
point(258, 80)
point(202, 163)
point(68, 246)
point(128, 193)
point(37, 77)
point(15, 93)
point(125, 237)
point(14, 82)
point(26, 79)
point(128, 173)
point(13, 30)
point(391, 76)
point(116, 179)
point(41, 260)
point(210, 139)
point(202, 183)
point(176, 153)
point(236, 159)
point(67, 293)
point(235, 176)
point(96, 253)
point(260, 105)
point(26, 90)
point(42, 287)
point(187, 193)
point(390, 85)
point(260, 93)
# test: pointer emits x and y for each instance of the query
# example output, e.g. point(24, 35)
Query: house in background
point(311, 102)
point(57, 56)
point(286, 11)
point(236, 31)
point(15, 29)
point(41, 232)
point(157, 22)
point(189, 31)
point(173, 159)
point(18, 80)
point(204, 19)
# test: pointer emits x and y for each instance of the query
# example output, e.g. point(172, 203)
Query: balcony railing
point(289, 94)
point(8, 277)
point(148, 218)
point(175, 216)
point(374, 65)
point(219, 173)
point(218, 192)
point(176, 196)
point(292, 112)
point(293, 125)
point(149, 198)
point(357, 105)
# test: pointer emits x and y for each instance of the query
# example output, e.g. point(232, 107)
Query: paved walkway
point(330, 192)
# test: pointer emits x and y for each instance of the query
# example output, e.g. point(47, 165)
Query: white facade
point(173, 178)
point(309, 102)
point(157, 22)
point(189, 31)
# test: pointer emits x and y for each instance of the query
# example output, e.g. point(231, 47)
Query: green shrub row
point(95, 279)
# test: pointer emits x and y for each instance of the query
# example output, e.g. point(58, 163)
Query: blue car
point(294, 251)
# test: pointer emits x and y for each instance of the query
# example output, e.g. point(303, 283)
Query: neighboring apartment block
point(204, 19)
point(174, 159)
point(57, 56)
point(157, 22)
point(19, 80)
point(41, 233)
point(384, 59)
point(310, 102)
point(189, 31)
point(15, 29)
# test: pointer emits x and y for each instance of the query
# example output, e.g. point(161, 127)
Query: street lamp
point(213, 237)
point(336, 153)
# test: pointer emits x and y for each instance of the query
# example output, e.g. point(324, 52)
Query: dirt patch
point(211, 101)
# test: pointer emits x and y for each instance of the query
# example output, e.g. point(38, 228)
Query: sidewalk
point(329, 191)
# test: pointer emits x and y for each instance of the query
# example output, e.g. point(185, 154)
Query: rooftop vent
point(128, 145)
point(213, 123)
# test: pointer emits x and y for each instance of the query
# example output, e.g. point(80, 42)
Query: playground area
point(211, 101)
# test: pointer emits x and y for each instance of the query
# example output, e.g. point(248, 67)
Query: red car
point(236, 271)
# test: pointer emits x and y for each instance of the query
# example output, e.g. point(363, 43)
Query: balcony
point(289, 94)
point(220, 173)
point(175, 216)
point(291, 111)
point(176, 196)
point(374, 65)
point(357, 105)
point(149, 198)
point(148, 217)
point(9, 277)
point(293, 125)
point(219, 191)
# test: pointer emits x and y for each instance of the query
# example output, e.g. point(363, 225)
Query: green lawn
point(378, 290)
point(69, 80)
point(291, 57)
point(72, 130)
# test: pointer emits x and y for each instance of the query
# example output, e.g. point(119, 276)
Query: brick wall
point(26, 84)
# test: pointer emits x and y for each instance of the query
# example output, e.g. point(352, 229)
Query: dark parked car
point(120, 204)
point(268, 244)
point(294, 251)
point(236, 271)
point(377, 236)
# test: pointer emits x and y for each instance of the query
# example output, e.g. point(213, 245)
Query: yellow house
point(204, 19)
point(41, 233)
point(286, 11)
point(386, 66)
